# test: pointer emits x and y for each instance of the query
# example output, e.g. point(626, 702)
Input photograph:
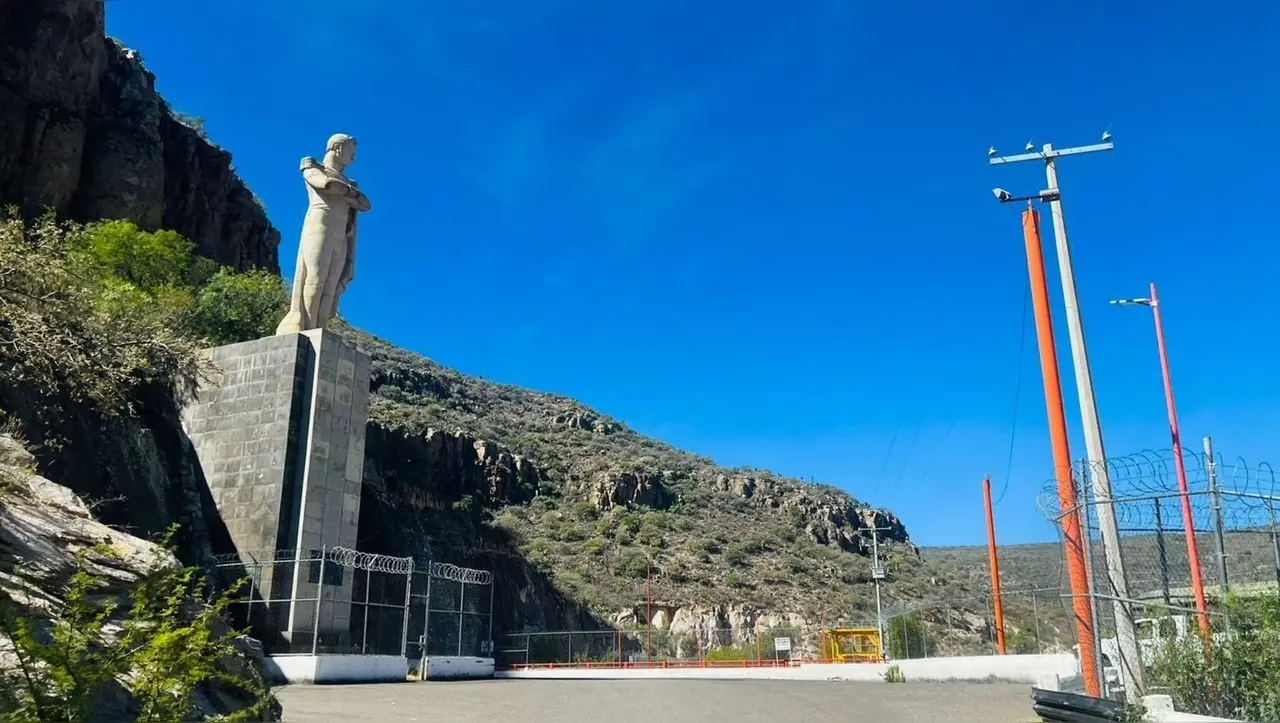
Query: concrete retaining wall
point(450, 667)
point(337, 668)
point(1012, 668)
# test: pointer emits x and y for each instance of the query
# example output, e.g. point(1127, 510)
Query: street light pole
point(1126, 630)
point(1188, 523)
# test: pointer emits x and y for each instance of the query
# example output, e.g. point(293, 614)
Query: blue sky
point(764, 231)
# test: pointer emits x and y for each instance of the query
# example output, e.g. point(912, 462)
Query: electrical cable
point(1017, 389)
point(889, 453)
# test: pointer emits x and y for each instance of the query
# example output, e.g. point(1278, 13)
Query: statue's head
point(341, 149)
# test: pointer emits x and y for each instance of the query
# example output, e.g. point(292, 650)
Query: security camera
point(991, 151)
point(1001, 194)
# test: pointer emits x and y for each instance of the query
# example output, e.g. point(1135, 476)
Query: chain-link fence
point(1036, 620)
point(1223, 531)
point(450, 612)
point(691, 646)
point(340, 601)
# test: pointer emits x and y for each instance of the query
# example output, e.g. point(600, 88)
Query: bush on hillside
point(71, 327)
point(162, 647)
point(234, 307)
point(90, 313)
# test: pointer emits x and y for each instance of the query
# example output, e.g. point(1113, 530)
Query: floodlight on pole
point(1188, 523)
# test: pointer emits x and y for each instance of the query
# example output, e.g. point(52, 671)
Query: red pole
point(995, 565)
point(648, 610)
point(1188, 524)
point(1071, 531)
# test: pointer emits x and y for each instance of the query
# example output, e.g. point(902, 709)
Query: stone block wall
point(243, 424)
point(279, 429)
point(332, 460)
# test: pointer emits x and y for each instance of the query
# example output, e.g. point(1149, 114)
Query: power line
point(1017, 390)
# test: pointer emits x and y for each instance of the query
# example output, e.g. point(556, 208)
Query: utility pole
point(1215, 499)
point(877, 574)
point(1126, 631)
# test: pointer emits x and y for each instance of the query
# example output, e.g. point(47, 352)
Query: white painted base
point(450, 667)
point(1160, 710)
point(337, 668)
point(1010, 668)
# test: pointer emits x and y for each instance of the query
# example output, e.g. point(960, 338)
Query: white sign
point(782, 645)
point(877, 573)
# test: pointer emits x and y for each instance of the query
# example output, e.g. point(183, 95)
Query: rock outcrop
point(829, 516)
point(437, 469)
point(47, 534)
point(83, 132)
point(608, 490)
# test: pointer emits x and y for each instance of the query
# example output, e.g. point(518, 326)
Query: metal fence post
point(462, 603)
point(1215, 499)
point(426, 617)
point(1164, 562)
point(248, 611)
point(1275, 543)
point(527, 641)
point(315, 623)
point(364, 633)
point(1035, 615)
point(492, 652)
point(404, 624)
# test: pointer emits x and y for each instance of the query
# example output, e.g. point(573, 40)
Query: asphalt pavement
point(657, 701)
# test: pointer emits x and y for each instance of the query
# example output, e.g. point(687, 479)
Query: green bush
point(728, 653)
point(145, 260)
point(635, 564)
point(91, 312)
point(234, 307)
point(1021, 642)
point(170, 642)
point(907, 638)
point(735, 555)
point(75, 327)
point(1235, 676)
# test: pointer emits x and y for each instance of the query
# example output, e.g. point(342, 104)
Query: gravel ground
point(651, 701)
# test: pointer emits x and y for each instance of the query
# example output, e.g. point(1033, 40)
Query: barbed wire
point(355, 559)
point(1248, 494)
point(370, 561)
point(470, 576)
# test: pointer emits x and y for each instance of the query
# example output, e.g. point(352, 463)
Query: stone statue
point(326, 253)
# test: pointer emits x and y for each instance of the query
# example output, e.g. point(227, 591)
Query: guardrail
point(1053, 705)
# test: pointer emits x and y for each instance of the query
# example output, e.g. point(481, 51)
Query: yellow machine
point(852, 645)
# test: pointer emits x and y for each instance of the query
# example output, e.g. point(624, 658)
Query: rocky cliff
point(83, 132)
point(47, 534)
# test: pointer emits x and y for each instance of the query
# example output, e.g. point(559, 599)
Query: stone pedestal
point(279, 431)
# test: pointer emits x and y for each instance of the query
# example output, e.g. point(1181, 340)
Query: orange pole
point(648, 610)
point(1071, 530)
point(1188, 524)
point(995, 565)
